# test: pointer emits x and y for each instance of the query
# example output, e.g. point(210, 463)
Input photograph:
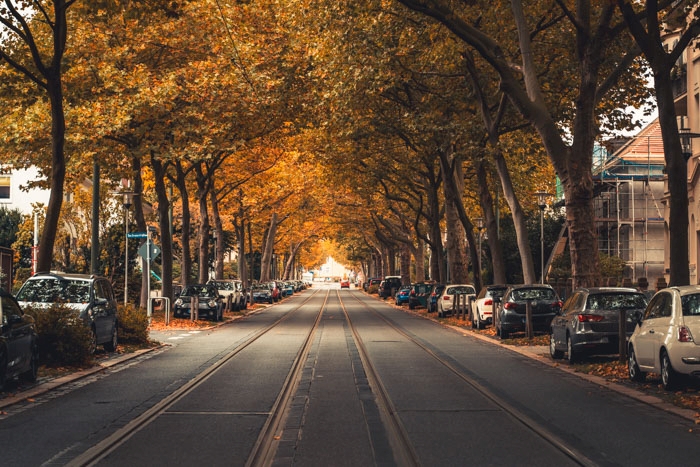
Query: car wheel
point(571, 355)
point(633, 370)
point(553, 352)
point(111, 346)
point(411, 306)
point(30, 375)
point(92, 345)
point(669, 377)
point(503, 334)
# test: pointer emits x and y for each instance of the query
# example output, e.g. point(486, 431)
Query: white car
point(663, 340)
point(445, 303)
point(482, 306)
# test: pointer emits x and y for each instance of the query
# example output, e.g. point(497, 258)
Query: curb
point(52, 384)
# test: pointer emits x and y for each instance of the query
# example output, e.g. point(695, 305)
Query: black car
point(545, 305)
point(589, 321)
point(261, 293)
point(90, 296)
point(389, 286)
point(19, 352)
point(211, 303)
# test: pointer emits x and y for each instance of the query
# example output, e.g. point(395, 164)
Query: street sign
point(143, 251)
point(136, 235)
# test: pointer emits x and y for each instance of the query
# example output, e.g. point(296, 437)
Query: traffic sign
point(143, 250)
point(136, 235)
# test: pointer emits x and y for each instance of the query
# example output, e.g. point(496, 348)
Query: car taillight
point(445, 297)
point(413, 292)
point(510, 306)
point(589, 318)
point(488, 301)
point(684, 334)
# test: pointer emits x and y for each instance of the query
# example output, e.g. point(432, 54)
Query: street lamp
point(542, 203)
point(479, 225)
point(686, 137)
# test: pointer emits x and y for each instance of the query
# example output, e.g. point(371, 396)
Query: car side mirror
point(100, 301)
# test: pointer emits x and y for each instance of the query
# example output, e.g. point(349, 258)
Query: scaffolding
point(628, 203)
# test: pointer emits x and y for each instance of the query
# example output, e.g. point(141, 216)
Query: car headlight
point(212, 303)
point(178, 302)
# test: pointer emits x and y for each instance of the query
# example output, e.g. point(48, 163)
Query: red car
point(345, 284)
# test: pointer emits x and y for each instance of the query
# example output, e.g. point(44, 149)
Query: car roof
point(64, 275)
point(598, 290)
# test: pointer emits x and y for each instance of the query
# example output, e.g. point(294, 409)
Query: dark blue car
point(402, 295)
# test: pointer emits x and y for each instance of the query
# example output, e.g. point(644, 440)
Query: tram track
point(403, 446)
point(263, 448)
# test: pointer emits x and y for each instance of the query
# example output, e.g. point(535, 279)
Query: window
point(4, 187)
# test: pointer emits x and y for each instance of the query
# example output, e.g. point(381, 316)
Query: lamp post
point(214, 263)
point(479, 226)
point(542, 203)
point(127, 202)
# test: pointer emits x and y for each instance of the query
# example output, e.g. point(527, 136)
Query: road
point(335, 377)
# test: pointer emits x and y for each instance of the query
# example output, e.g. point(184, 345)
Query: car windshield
point(460, 289)
point(495, 293)
point(199, 290)
point(224, 285)
point(615, 301)
point(423, 288)
point(691, 304)
point(533, 294)
point(53, 290)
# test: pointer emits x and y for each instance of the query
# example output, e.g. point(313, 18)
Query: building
point(629, 202)
point(13, 192)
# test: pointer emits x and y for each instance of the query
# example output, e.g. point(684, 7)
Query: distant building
point(13, 193)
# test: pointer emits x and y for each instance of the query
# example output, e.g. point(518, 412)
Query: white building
point(13, 192)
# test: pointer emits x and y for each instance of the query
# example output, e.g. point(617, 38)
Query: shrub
point(133, 325)
point(64, 340)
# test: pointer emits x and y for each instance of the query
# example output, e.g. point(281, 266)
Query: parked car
point(401, 296)
point(588, 323)
point(90, 296)
point(511, 315)
point(345, 284)
point(373, 285)
point(389, 286)
point(446, 301)
point(19, 351)
point(663, 340)
point(435, 293)
point(234, 288)
point(261, 293)
point(211, 303)
point(482, 305)
point(420, 293)
point(287, 289)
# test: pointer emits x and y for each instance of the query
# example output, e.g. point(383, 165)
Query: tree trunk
point(486, 201)
point(186, 259)
point(219, 240)
point(419, 257)
point(140, 221)
point(204, 225)
point(406, 265)
point(164, 222)
point(268, 250)
point(677, 171)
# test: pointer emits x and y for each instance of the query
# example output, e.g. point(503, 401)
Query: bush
point(64, 340)
point(133, 325)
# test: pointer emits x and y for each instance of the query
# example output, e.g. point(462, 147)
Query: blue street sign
point(136, 235)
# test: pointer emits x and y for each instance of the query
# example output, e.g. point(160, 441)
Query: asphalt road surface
point(334, 377)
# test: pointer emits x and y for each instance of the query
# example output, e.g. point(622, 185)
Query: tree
point(647, 29)
point(600, 59)
point(42, 64)
point(10, 220)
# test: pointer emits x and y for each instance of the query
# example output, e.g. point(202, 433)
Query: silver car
point(663, 340)
point(588, 323)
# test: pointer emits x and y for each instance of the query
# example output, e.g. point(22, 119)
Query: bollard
point(622, 335)
point(528, 320)
point(194, 308)
point(229, 302)
point(496, 311)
